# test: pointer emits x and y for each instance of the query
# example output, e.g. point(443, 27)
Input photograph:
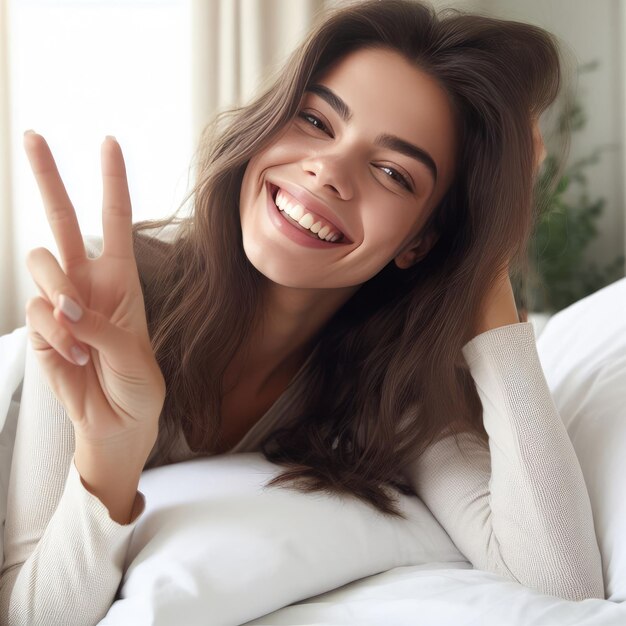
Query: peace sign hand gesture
point(114, 396)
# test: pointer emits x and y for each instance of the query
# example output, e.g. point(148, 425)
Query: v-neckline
point(261, 422)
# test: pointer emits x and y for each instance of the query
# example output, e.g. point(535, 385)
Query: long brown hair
point(387, 377)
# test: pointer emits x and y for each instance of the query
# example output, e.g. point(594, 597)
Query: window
point(84, 69)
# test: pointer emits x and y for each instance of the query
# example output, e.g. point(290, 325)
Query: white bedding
point(216, 546)
point(583, 352)
point(440, 595)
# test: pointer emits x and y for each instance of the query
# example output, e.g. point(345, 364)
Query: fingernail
point(69, 308)
point(111, 137)
point(80, 356)
point(30, 131)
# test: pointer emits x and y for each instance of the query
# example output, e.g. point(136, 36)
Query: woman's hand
point(115, 397)
point(538, 145)
point(498, 307)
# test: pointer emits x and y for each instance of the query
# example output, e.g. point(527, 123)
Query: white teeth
point(295, 211)
point(298, 213)
point(306, 220)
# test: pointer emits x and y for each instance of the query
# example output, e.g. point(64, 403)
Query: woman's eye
point(399, 178)
point(314, 121)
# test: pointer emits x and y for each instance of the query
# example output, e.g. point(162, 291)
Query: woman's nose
point(330, 173)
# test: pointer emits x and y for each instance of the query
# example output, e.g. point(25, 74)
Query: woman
point(359, 347)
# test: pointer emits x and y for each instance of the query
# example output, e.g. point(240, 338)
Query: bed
point(224, 550)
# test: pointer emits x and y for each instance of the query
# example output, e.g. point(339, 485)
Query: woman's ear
point(417, 251)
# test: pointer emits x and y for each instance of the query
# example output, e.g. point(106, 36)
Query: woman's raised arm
point(64, 554)
point(86, 426)
point(519, 507)
point(114, 392)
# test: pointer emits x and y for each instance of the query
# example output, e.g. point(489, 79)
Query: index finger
point(117, 219)
point(59, 210)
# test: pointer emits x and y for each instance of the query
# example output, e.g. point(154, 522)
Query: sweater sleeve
point(64, 555)
point(518, 507)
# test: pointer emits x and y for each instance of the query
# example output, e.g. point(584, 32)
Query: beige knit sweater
point(518, 507)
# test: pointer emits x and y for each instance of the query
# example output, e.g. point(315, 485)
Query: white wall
point(80, 71)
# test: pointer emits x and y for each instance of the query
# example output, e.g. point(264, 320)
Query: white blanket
point(440, 595)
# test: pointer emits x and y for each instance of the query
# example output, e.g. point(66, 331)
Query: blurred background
point(154, 72)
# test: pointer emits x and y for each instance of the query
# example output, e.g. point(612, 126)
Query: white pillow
point(214, 547)
point(583, 353)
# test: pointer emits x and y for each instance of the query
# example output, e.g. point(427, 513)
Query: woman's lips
point(292, 229)
point(317, 217)
point(310, 233)
point(274, 189)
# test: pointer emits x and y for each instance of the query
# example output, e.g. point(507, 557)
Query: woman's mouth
point(306, 221)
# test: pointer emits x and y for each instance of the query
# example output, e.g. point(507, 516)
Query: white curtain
point(236, 43)
point(9, 314)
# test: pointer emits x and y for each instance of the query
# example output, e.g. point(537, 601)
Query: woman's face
point(372, 148)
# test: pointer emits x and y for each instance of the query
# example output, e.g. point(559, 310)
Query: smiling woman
point(360, 363)
point(350, 151)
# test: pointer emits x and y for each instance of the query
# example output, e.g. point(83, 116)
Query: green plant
point(561, 271)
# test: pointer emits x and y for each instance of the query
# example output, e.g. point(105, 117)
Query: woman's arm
point(63, 553)
point(520, 506)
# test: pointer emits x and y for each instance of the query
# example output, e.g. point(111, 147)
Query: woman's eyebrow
point(342, 109)
point(385, 140)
